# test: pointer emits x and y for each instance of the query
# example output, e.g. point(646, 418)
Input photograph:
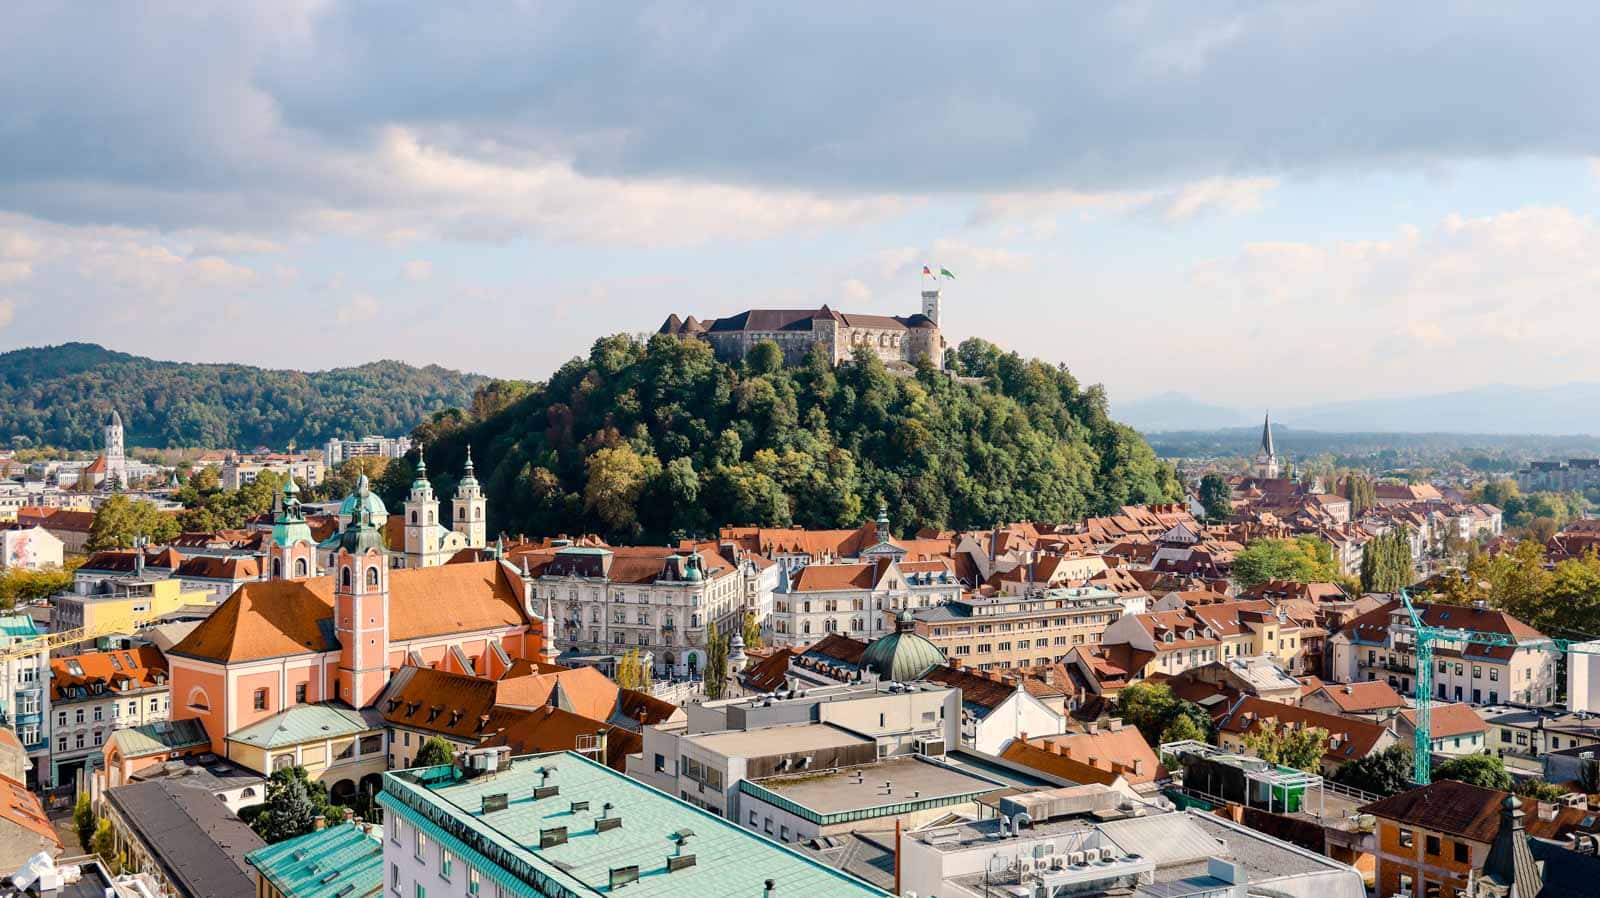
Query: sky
point(1257, 204)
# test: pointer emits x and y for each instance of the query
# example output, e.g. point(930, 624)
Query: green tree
point(764, 358)
point(1383, 772)
point(1486, 771)
point(1304, 559)
point(752, 631)
point(292, 807)
point(1386, 563)
point(104, 844)
point(1301, 749)
point(1539, 790)
point(1216, 496)
point(632, 672)
point(120, 520)
point(716, 674)
point(83, 821)
point(1182, 727)
point(617, 477)
point(1153, 709)
point(436, 752)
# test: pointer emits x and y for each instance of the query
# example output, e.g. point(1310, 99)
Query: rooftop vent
point(680, 862)
point(498, 801)
point(556, 835)
point(621, 876)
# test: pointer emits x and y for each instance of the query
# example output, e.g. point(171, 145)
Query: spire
point(1267, 448)
point(883, 521)
point(469, 460)
point(1510, 863)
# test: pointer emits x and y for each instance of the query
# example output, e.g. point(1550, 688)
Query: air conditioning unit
point(932, 747)
point(1075, 858)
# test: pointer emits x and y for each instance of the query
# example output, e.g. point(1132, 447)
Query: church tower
point(116, 462)
point(468, 508)
point(292, 555)
point(930, 305)
point(423, 529)
point(361, 612)
point(1266, 466)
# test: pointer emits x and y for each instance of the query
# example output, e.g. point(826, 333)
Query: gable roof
point(1446, 721)
point(1357, 698)
point(139, 666)
point(978, 690)
point(198, 842)
point(1090, 758)
point(275, 618)
point(1447, 806)
point(160, 738)
point(322, 863)
point(22, 808)
point(1348, 737)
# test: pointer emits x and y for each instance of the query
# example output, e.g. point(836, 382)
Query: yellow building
point(340, 747)
point(124, 603)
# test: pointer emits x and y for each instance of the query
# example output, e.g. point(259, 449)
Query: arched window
point(805, 627)
point(413, 516)
point(477, 514)
point(198, 700)
point(300, 567)
point(430, 517)
point(372, 576)
point(277, 568)
point(344, 576)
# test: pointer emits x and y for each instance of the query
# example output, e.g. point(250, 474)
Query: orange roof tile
point(140, 666)
point(22, 808)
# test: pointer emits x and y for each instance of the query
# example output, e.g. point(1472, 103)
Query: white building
point(30, 549)
point(25, 694)
point(336, 452)
point(859, 599)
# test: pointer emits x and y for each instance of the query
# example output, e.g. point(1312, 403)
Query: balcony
point(1397, 665)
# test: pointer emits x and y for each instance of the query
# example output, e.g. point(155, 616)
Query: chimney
point(1094, 729)
point(600, 737)
point(1114, 724)
point(1055, 748)
point(321, 822)
point(349, 814)
point(1138, 766)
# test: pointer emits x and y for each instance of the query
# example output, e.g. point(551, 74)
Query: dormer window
point(1189, 633)
point(1167, 637)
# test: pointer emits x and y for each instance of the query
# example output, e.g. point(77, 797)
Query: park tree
point(1386, 562)
point(292, 807)
point(121, 520)
point(1304, 559)
point(436, 752)
point(752, 631)
point(716, 662)
point(83, 821)
point(1301, 749)
point(1485, 771)
point(1383, 772)
point(1216, 496)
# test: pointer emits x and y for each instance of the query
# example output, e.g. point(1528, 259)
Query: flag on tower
point(926, 271)
point(947, 273)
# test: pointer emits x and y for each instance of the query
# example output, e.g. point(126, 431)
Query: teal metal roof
point(301, 867)
point(18, 625)
point(582, 550)
point(165, 736)
point(729, 861)
point(303, 723)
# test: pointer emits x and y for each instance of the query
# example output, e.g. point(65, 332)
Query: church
point(418, 535)
point(900, 340)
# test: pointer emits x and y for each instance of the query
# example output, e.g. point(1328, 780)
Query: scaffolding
point(1286, 789)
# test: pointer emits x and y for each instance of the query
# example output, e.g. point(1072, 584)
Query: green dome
point(362, 496)
point(902, 655)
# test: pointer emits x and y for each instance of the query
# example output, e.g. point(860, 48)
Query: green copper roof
point(302, 723)
point(729, 861)
point(903, 655)
point(323, 864)
point(153, 738)
point(363, 496)
point(20, 625)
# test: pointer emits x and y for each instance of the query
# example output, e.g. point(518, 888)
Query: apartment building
point(1203, 632)
point(96, 693)
point(1001, 632)
point(25, 695)
point(859, 599)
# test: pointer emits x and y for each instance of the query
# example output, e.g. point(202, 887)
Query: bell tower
point(361, 613)
point(292, 554)
point(422, 521)
point(468, 509)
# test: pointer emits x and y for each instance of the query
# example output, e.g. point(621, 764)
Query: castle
point(896, 339)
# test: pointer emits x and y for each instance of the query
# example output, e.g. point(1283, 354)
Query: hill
point(642, 442)
point(1496, 409)
point(62, 395)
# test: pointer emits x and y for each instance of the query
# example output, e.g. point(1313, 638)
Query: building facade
point(95, 694)
point(894, 339)
point(1001, 632)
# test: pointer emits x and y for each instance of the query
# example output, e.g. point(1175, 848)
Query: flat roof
point(909, 779)
point(729, 861)
point(778, 740)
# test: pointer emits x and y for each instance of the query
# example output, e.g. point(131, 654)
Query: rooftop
point(879, 786)
point(197, 841)
point(770, 740)
point(303, 723)
point(336, 862)
point(579, 857)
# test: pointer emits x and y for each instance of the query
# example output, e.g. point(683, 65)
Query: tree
point(1216, 496)
point(1301, 749)
point(617, 476)
point(83, 820)
point(1486, 771)
point(632, 672)
point(104, 844)
point(1386, 561)
point(1304, 559)
point(716, 662)
point(1182, 728)
point(120, 520)
point(752, 631)
point(436, 752)
point(1539, 790)
point(1383, 772)
point(292, 807)
point(1153, 710)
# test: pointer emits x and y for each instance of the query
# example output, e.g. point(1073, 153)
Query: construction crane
point(1425, 636)
point(51, 641)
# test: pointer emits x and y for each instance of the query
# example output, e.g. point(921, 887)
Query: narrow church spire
point(1266, 436)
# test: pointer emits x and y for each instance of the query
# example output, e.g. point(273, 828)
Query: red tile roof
point(1349, 738)
point(1357, 698)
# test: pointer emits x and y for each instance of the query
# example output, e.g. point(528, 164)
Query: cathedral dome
point(903, 655)
point(364, 497)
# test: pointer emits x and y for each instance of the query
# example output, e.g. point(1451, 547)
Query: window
point(422, 846)
point(61, 718)
point(1477, 671)
point(1462, 852)
point(661, 763)
point(394, 877)
point(300, 693)
point(1494, 674)
point(1406, 838)
point(474, 882)
point(1432, 846)
point(447, 864)
point(260, 700)
point(77, 716)
point(133, 707)
point(99, 713)
point(421, 892)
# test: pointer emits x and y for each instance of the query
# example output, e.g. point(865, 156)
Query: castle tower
point(423, 529)
point(468, 510)
point(361, 613)
point(1266, 466)
point(292, 555)
point(116, 462)
point(930, 305)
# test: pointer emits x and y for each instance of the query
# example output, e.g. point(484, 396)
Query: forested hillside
point(645, 442)
point(62, 395)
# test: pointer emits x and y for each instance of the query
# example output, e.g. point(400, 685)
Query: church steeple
point(1266, 466)
point(292, 554)
point(423, 531)
point(469, 508)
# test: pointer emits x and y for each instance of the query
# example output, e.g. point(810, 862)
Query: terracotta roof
point(820, 577)
point(976, 688)
point(1445, 721)
point(20, 807)
point(1447, 806)
point(1349, 738)
point(769, 673)
point(837, 647)
point(1373, 627)
point(273, 618)
point(213, 567)
point(1356, 698)
point(56, 518)
point(139, 667)
point(552, 729)
point(1091, 757)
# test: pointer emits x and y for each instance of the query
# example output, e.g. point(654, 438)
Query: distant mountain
point(62, 396)
point(1499, 409)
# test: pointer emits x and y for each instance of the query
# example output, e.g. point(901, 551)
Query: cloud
point(361, 307)
point(418, 270)
point(1172, 205)
point(8, 311)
